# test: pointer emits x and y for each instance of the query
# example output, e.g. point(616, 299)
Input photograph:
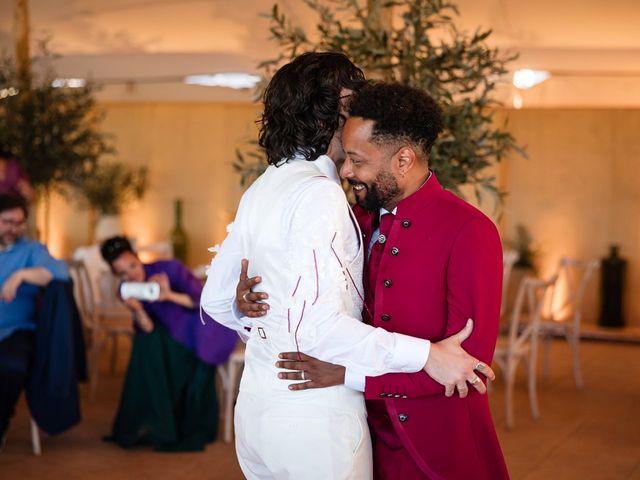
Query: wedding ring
point(302, 374)
point(474, 381)
point(479, 366)
point(244, 296)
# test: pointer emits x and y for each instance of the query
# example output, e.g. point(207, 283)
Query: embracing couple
point(374, 300)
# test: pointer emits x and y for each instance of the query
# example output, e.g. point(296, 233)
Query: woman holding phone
point(169, 398)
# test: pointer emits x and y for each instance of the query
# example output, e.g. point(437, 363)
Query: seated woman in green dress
point(169, 395)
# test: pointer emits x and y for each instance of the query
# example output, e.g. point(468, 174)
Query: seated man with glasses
point(25, 266)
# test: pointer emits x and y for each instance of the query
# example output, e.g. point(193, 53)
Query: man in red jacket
point(434, 261)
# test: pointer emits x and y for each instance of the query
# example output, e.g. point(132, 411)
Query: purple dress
point(212, 343)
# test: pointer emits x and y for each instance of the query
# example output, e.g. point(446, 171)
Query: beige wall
point(188, 149)
point(578, 191)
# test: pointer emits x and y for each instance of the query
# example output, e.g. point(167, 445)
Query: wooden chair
point(102, 323)
point(509, 258)
point(521, 341)
point(565, 319)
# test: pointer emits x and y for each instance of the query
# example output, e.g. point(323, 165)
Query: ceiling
point(138, 39)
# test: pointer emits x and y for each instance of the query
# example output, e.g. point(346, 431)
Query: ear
point(405, 160)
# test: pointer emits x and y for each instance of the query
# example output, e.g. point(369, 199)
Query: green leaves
point(424, 48)
point(53, 132)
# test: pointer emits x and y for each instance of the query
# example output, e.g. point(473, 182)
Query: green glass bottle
point(178, 235)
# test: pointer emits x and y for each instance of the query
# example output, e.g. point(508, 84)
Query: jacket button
point(395, 251)
point(383, 395)
point(406, 223)
point(388, 283)
point(403, 417)
point(404, 396)
point(385, 318)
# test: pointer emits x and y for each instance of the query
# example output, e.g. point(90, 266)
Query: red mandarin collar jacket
point(442, 264)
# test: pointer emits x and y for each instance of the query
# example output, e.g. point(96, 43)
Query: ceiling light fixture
point(68, 83)
point(526, 78)
point(237, 81)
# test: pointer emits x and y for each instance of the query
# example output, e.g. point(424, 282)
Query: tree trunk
point(23, 59)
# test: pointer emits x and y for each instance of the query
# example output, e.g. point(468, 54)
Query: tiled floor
point(589, 434)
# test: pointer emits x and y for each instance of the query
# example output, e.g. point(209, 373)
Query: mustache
point(353, 182)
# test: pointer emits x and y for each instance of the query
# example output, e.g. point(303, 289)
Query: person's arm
point(218, 294)
point(474, 286)
point(318, 323)
point(41, 270)
point(39, 276)
point(178, 285)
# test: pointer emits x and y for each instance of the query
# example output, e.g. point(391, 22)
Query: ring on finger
point(244, 296)
point(302, 375)
point(479, 366)
point(474, 380)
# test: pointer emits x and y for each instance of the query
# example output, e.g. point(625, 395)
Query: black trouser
point(15, 358)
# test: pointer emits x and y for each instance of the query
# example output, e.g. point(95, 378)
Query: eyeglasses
point(13, 223)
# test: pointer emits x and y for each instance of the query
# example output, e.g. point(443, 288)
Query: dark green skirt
point(169, 397)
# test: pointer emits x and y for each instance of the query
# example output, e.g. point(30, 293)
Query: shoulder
point(463, 214)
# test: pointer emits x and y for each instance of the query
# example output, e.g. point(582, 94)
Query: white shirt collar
point(327, 167)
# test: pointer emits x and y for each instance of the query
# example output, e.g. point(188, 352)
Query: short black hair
point(113, 247)
point(401, 114)
point(11, 202)
point(302, 105)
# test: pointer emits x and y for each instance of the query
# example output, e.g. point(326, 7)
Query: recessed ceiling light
point(229, 80)
point(526, 78)
point(68, 83)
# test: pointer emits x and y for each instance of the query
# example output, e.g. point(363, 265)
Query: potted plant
point(417, 43)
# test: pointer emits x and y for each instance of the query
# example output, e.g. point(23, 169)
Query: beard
point(381, 191)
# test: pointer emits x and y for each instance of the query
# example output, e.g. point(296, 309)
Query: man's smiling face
point(367, 167)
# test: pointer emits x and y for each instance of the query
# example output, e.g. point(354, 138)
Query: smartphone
point(148, 291)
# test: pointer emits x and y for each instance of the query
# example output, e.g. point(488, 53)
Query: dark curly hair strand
point(302, 105)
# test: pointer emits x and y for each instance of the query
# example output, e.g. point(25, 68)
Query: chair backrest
point(509, 258)
point(530, 299)
point(83, 293)
point(574, 275)
point(108, 283)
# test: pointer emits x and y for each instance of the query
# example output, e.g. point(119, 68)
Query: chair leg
point(533, 396)
point(510, 377)
point(35, 438)
point(546, 349)
point(574, 343)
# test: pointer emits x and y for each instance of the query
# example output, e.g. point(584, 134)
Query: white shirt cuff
point(354, 381)
point(244, 322)
point(410, 354)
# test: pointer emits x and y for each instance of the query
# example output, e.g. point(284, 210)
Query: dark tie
point(373, 266)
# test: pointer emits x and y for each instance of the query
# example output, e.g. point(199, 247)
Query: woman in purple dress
point(169, 398)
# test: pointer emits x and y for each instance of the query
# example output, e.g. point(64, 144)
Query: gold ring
point(302, 374)
point(474, 381)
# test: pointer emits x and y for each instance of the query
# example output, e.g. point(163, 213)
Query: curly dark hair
point(302, 105)
point(401, 114)
point(113, 247)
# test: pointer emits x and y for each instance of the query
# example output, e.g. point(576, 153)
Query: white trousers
point(301, 442)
